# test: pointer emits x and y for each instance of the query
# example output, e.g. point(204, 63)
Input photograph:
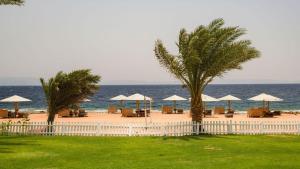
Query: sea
point(290, 93)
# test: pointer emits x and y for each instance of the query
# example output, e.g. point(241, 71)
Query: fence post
point(299, 128)
point(163, 129)
point(130, 130)
point(229, 127)
point(97, 129)
point(261, 128)
point(198, 125)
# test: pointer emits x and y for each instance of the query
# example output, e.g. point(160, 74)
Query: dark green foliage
point(67, 89)
point(207, 52)
point(11, 2)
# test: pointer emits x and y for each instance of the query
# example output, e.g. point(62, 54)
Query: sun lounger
point(82, 113)
point(268, 114)
point(219, 110)
point(207, 113)
point(148, 112)
point(3, 113)
point(64, 113)
point(128, 112)
point(112, 109)
point(256, 112)
point(23, 115)
point(167, 110)
point(179, 111)
point(229, 114)
point(276, 113)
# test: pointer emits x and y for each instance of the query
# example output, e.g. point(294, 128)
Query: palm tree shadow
point(197, 137)
point(7, 143)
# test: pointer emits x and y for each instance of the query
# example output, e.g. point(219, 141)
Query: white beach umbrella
point(86, 100)
point(174, 98)
point(206, 98)
point(120, 98)
point(229, 98)
point(138, 97)
point(265, 98)
point(15, 99)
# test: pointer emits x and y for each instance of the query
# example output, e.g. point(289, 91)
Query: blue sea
point(290, 93)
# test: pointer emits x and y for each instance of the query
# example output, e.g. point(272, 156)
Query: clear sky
point(116, 38)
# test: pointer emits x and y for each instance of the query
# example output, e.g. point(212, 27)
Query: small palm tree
point(64, 89)
point(11, 2)
point(207, 52)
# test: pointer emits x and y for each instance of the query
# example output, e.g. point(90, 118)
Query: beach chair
point(64, 113)
point(219, 110)
point(3, 113)
point(112, 109)
point(82, 113)
point(148, 112)
point(167, 110)
point(127, 112)
point(207, 113)
point(229, 114)
point(276, 113)
point(179, 111)
point(256, 112)
point(23, 115)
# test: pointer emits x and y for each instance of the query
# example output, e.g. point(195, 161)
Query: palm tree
point(207, 52)
point(64, 90)
point(11, 2)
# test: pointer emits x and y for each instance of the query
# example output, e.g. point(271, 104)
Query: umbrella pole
point(268, 104)
point(121, 102)
point(145, 110)
point(174, 107)
point(229, 105)
point(16, 105)
point(137, 105)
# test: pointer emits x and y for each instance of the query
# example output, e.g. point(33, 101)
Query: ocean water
point(289, 92)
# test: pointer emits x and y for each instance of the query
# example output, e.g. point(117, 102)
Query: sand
point(155, 117)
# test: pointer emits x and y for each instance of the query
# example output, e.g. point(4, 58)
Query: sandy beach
point(154, 117)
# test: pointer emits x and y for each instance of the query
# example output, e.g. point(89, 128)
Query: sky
point(115, 39)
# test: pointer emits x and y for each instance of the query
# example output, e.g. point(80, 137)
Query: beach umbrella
point(15, 100)
point(265, 98)
point(138, 97)
point(206, 98)
point(174, 98)
point(229, 98)
point(120, 98)
point(86, 100)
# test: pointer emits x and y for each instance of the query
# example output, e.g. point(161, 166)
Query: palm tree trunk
point(51, 117)
point(197, 112)
point(196, 108)
point(50, 121)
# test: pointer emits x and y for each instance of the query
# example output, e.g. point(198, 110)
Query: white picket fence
point(151, 129)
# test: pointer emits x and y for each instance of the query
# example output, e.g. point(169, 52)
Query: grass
point(212, 152)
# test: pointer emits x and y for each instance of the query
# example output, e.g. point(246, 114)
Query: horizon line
point(167, 84)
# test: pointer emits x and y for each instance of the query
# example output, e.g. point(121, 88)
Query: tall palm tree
point(207, 52)
point(11, 2)
point(65, 89)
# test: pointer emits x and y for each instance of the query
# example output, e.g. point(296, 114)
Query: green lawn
point(150, 152)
